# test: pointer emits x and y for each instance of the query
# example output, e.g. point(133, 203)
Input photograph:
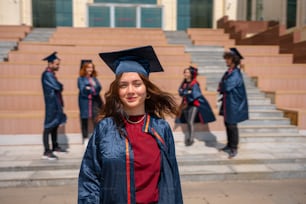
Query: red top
point(146, 161)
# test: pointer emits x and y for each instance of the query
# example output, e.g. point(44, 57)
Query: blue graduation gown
point(88, 99)
point(107, 169)
point(234, 105)
point(191, 94)
point(52, 89)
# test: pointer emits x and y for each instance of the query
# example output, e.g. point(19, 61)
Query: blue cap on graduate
point(51, 57)
point(236, 52)
point(84, 61)
point(142, 60)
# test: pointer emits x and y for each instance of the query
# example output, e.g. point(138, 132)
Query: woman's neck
point(135, 111)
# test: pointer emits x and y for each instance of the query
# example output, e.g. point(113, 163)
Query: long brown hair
point(158, 103)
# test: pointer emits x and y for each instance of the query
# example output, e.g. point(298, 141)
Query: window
point(99, 16)
point(291, 13)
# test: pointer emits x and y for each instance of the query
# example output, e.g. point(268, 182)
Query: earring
point(148, 96)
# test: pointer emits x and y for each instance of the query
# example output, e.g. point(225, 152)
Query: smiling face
point(132, 93)
point(187, 74)
point(89, 69)
point(54, 65)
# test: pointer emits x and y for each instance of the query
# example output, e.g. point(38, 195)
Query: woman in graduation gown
point(90, 101)
point(130, 157)
point(194, 106)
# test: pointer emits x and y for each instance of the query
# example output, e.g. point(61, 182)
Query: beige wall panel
point(230, 9)
point(80, 12)
point(272, 10)
point(218, 12)
point(170, 14)
point(26, 12)
point(10, 12)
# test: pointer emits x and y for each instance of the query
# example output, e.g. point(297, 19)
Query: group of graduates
point(234, 104)
point(90, 102)
point(130, 156)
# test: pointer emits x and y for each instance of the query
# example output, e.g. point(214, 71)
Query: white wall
point(170, 14)
point(10, 12)
point(26, 12)
point(218, 11)
point(230, 9)
point(80, 12)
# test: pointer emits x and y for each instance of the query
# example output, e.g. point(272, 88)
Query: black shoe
point(232, 153)
point(189, 142)
point(225, 149)
point(59, 150)
point(49, 155)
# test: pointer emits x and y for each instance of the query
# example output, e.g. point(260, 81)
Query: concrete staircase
point(270, 148)
point(10, 36)
point(5, 47)
point(267, 124)
point(265, 120)
point(39, 35)
point(20, 165)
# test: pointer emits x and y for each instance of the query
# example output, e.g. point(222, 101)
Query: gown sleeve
point(89, 182)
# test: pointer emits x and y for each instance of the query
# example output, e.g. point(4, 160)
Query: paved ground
point(242, 192)
point(209, 192)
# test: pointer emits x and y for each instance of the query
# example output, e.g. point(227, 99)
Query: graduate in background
point(90, 101)
point(234, 106)
point(54, 114)
point(194, 107)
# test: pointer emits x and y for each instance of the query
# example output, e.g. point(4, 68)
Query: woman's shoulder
point(81, 78)
point(159, 122)
point(105, 125)
point(106, 121)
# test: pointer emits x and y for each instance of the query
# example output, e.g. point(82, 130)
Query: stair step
point(201, 48)
point(266, 121)
point(246, 128)
point(38, 178)
point(6, 44)
point(242, 172)
point(281, 137)
point(23, 167)
point(265, 113)
point(40, 34)
point(246, 139)
point(187, 173)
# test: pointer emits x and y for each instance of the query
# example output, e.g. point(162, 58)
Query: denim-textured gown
point(52, 89)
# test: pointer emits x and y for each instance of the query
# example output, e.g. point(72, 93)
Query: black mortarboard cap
point(51, 57)
point(140, 59)
point(83, 61)
point(236, 52)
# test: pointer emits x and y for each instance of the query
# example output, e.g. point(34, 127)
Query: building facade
point(165, 14)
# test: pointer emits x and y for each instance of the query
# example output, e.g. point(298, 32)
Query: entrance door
point(201, 12)
point(43, 13)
